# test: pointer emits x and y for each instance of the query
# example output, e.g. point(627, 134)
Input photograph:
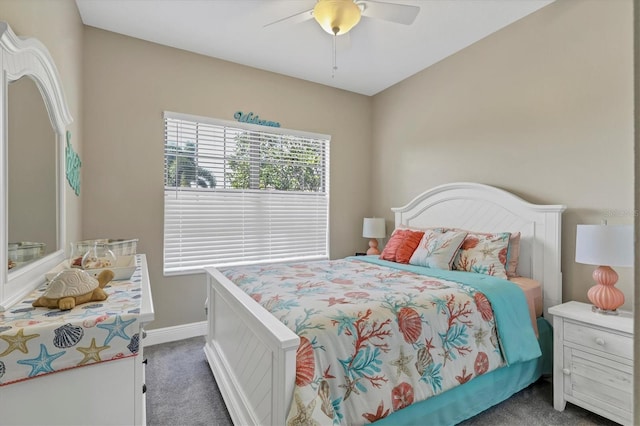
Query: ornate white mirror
point(33, 120)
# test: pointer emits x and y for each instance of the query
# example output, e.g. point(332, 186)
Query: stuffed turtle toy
point(73, 287)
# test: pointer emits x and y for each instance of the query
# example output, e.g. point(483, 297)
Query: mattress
point(533, 293)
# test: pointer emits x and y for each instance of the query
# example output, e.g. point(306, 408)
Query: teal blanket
point(515, 332)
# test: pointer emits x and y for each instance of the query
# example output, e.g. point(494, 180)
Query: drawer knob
point(600, 341)
point(566, 371)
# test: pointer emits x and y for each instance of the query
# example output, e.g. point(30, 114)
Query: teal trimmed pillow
point(484, 254)
point(437, 249)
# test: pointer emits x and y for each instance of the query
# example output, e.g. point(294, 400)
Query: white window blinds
point(238, 193)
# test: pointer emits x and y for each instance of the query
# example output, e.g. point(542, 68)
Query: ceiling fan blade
point(399, 13)
point(293, 19)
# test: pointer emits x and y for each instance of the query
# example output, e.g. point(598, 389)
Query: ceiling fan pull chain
point(334, 68)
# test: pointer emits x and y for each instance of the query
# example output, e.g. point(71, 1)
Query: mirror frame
point(20, 57)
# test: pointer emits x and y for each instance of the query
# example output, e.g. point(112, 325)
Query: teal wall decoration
point(72, 164)
point(254, 119)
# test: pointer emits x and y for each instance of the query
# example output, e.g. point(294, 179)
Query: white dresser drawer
point(599, 339)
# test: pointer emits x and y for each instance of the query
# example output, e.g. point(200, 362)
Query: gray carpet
point(182, 391)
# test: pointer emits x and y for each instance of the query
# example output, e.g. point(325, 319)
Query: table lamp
point(373, 227)
point(605, 246)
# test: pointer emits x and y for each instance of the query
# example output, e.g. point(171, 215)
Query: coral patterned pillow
point(408, 246)
point(484, 254)
point(513, 251)
point(390, 249)
point(437, 249)
point(401, 245)
point(513, 254)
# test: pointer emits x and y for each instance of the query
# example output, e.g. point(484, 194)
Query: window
point(238, 193)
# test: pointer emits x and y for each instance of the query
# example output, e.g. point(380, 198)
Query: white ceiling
point(376, 55)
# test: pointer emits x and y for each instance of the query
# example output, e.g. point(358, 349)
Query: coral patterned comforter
point(374, 338)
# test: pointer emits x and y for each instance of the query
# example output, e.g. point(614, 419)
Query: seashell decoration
point(484, 306)
point(134, 344)
point(70, 282)
point(410, 324)
point(423, 360)
point(481, 365)
point(494, 337)
point(325, 395)
point(68, 335)
point(305, 362)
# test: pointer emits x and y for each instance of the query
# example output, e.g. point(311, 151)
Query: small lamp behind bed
point(373, 227)
point(605, 246)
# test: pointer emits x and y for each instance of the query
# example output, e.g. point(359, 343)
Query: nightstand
point(593, 361)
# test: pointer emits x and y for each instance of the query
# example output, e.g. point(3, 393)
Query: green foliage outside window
point(283, 163)
point(183, 170)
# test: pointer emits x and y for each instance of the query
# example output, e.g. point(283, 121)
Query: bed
point(252, 354)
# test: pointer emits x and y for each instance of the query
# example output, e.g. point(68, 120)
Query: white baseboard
point(178, 332)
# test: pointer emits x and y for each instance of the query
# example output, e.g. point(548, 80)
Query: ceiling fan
point(338, 17)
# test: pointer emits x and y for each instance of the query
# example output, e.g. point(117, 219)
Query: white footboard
point(251, 353)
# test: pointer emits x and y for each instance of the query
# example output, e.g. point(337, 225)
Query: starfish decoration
point(92, 352)
point(402, 363)
point(486, 251)
point(480, 336)
point(19, 342)
point(305, 413)
point(116, 328)
point(350, 386)
point(41, 363)
point(334, 301)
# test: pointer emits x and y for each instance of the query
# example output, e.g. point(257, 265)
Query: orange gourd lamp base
point(373, 247)
point(605, 297)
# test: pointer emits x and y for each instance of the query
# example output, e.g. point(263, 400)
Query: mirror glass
point(32, 183)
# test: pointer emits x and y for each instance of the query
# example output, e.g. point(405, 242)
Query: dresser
point(593, 361)
point(106, 386)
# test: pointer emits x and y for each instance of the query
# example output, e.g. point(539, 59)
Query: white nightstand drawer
point(601, 340)
point(606, 385)
point(593, 361)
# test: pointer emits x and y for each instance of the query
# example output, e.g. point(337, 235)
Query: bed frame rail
point(251, 354)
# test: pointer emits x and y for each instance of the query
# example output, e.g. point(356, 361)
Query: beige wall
point(543, 108)
point(553, 90)
point(57, 24)
point(128, 85)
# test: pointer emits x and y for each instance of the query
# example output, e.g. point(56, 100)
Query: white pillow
point(437, 249)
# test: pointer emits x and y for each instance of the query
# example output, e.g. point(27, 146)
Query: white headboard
point(484, 208)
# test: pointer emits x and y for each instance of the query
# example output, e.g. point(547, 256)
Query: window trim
point(260, 129)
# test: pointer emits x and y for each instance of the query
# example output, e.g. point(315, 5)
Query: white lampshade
point(606, 245)
point(373, 227)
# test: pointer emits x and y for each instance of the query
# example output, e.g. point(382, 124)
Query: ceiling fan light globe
point(336, 16)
